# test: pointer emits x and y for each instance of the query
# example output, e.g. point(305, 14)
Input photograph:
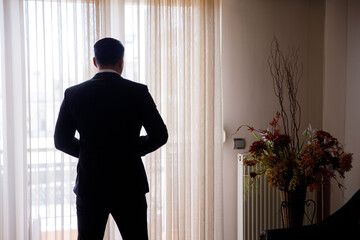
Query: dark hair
point(108, 51)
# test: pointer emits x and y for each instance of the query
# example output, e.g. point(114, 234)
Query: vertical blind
point(13, 193)
point(1, 122)
point(173, 46)
point(176, 52)
point(59, 36)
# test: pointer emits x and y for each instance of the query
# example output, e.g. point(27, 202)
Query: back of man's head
point(108, 51)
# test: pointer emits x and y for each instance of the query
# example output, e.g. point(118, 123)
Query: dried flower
point(345, 162)
point(250, 163)
point(282, 141)
point(321, 157)
point(257, 148)
point(288, 169)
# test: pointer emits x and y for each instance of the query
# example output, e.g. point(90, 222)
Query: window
point(171, 46)
point(59, 37)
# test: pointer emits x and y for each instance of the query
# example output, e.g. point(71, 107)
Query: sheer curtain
point(59, 36)
point(13, 222)
point(2, 178)
point(173, 47)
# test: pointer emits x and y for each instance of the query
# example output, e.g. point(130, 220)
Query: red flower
point(264, 131)
point(325, 139)
point(277, 132)
point(282, 141)
point(257, 147)
point(253, 174)
point(274, 122)
point(251, 129)
point(277, 115)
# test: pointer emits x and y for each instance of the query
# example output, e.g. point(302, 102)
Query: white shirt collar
point(107, 70)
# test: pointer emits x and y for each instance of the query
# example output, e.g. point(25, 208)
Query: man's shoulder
point(75, 88)
point(129, 85)
point(135, 85)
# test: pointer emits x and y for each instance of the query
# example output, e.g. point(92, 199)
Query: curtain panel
point(174, 48)
point(59, 36)
point(13, 190)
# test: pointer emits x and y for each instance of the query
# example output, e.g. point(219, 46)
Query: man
point(108, 112)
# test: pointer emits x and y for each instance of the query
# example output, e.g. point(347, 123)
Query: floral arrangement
point(321, 158)
point(288, 169)
point(277, 153)
point(273, 156)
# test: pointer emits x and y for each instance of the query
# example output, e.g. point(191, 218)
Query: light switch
point(239, 143)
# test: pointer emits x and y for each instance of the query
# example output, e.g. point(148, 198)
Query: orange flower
point(250, 163)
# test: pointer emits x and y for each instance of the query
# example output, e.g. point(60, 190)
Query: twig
point(286, 74)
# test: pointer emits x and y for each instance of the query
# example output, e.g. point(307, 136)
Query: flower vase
point(293, 207)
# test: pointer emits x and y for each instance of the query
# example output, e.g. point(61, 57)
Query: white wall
point(335, 58)
point(328, 35)
point(341, 85)
point(352, 107)
point(341, 114)
point(247, 30)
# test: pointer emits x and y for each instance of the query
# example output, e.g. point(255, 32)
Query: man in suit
point(108, 112)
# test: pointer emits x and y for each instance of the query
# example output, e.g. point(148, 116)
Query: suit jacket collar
point(106, 75)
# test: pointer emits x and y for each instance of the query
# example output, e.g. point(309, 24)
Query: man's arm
point(65, 128)
point(155, 127)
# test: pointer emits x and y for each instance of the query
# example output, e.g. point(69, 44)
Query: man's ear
point(121, 65)
point(95, 64)
point(122, 62)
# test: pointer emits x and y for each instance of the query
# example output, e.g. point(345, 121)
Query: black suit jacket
point(109, 112)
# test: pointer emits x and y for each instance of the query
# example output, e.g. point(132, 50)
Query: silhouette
point(109, 111)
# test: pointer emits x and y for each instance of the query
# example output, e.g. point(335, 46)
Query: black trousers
point(129, 213)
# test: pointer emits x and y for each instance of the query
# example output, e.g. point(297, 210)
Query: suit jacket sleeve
point(155, 127)
point(65, 128)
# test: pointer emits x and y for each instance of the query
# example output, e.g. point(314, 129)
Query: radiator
point(259, 204)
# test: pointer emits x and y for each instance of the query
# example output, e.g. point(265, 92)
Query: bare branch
point(286, 74)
